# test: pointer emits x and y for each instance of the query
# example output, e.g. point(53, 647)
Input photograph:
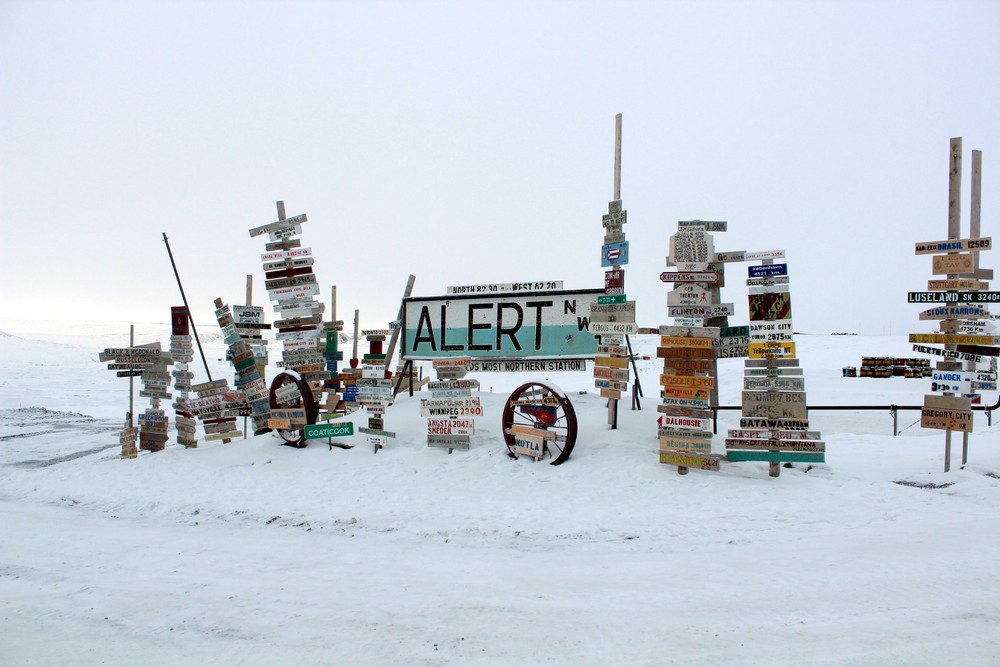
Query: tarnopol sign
point(544, 325)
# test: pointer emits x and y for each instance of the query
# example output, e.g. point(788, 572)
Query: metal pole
point(184, 299)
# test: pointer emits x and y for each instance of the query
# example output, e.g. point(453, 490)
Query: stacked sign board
point(774, 426)
point(245, 363)
point(182, 353)
point(153, 421)
point(968, 357)
point(689, 348)
point(217, 407)
point(130, 362)
point(613, 316)
point(292, 285)
point(451, 409)
point(375, 391)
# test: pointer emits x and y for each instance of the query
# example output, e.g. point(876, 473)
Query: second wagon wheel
point(539, 421)
point(289, 390)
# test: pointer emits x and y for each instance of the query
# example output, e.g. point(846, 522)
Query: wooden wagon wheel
point(304, 399)
point(540, 411)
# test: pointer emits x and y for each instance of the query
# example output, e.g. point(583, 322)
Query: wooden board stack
point(217, 407)
point(375, 391)
point(612, 318)
point(451, 409)
point(250, 325)
point(689, 348)
point(292, 285)
point(958, 297)
point(153, 421)
point(248, 378)
point(774, 426)
point(182, 353)
point(129, 362)
point(333, 357)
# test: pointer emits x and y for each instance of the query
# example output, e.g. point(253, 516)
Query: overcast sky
point(472, 142)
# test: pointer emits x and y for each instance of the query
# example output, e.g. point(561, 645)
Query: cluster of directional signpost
point(969, 346)
point(452, 407)
point(774, 422)
point(375, 390)
point(183, 353)
point(774, 426)
point(688, 349)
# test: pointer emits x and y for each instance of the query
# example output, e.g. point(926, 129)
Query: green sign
point(334, 430)
point(800, 457)
point(612, 298)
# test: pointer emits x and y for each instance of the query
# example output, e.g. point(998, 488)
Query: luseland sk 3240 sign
point(548, 324)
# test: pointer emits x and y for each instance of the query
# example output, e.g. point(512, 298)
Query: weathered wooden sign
point(775, 404)
point(614, 281)
point(953, 264)
point(954, 245)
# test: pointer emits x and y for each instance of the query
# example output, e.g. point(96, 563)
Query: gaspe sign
point(549, 324)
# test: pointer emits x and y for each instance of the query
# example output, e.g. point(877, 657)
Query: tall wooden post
point(954, 232)
point(975, 228)
point(613, 402)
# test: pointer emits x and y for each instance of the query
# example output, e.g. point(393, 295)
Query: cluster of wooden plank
point(248, 379)
point(691, 346)
point(374, 388)
point(182, 352)
point(612, 318)
point(309, 345)
point(217, 407)
point(153, 421)
point(451, 409)
point(130, 362)
point(774, 426)
point(959, 296)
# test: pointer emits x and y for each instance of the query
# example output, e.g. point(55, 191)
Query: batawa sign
point(506, 326)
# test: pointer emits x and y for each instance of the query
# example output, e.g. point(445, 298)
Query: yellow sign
point(771, 350)
point(611, 362)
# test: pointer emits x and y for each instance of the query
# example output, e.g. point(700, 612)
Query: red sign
point(179, 321)
point(614, 281)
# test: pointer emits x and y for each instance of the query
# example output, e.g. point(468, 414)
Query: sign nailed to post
point(548, 324)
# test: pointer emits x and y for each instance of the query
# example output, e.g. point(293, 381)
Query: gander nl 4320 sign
point(547, 324)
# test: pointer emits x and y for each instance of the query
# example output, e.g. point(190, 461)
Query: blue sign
point(767, 270)
point(614, 254)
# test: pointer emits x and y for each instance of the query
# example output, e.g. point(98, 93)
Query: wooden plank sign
point(774, 405)
point(954, 245)
point(614, 281)
point(690, 460)
point(953, 264)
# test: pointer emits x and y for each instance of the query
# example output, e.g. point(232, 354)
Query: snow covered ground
point(253, 553)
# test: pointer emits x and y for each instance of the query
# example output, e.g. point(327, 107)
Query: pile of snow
point(259, 554)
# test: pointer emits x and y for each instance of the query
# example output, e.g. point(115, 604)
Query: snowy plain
point(253, 553)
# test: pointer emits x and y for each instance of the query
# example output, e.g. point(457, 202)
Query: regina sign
point(548, 324)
